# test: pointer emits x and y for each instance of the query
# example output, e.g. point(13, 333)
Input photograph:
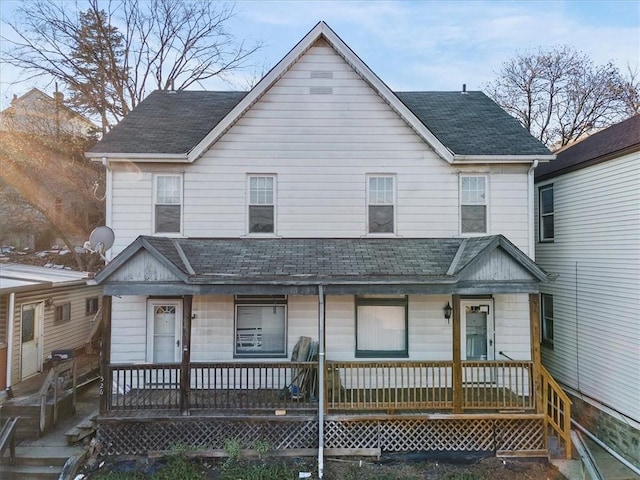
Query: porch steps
point(28, 409)
point(86, 428)
point(37, 462)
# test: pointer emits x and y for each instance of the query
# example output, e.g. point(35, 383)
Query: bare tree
point(631, 92)
point(559, 95)
point(112, 54)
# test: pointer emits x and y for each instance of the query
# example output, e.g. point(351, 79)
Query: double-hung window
point(381, 204)
point(63, 313)
point(546, 214)
point(473, 204)
point(261, 326)
point(546, 317)
point(262, 193)
point(381, 327)
point(168, 204)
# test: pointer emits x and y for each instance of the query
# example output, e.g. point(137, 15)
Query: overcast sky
point(425, 45)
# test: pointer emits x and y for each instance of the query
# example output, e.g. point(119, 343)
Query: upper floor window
point(168, 203)
point(473, 204)
point(262, 192)
point(92, 305)
point(546, 319)
point(381, 204)
point(546, 213)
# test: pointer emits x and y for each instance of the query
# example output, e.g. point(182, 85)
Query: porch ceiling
point(166, 266)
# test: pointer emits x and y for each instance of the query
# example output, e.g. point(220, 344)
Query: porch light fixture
point(447, 311)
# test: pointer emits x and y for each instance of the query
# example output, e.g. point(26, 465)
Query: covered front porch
point(437, 390)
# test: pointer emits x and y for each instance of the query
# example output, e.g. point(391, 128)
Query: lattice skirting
point(400, 435)
point(133, 437)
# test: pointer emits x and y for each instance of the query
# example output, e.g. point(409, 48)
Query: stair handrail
point(8, 438)
point(557, 409)
point(51, 380)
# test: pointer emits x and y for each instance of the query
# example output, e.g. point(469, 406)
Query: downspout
point(321, 358)
point(11, 319)
point(108, 209)
point(531, 199)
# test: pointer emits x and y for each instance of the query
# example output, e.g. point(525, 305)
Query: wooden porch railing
point(349, 386)
point(557, 410)
point(59, 375)
point(213, 386)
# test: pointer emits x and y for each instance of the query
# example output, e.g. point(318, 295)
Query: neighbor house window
point(63, 313)
point(92, 305)
point(380, 204)
point(546, 317)
point(261, 327)
point(473, 204)
point(381, 327)
point(546, 213)
point(168, 203)
point(262, 204)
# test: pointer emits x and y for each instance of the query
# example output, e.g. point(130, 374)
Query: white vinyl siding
point(596, 257)
point(321, 147)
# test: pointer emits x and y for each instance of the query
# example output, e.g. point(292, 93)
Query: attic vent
point(321, 74)
point(321, 90)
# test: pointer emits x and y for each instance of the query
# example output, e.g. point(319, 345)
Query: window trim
point(541, 236)
point(383, 301)
point(65, 316)
point(156, 176)
point(89, 302)
point(485, 204)
point(260, 301)
point(544, 339)
point(394, 203)
point(273, 204)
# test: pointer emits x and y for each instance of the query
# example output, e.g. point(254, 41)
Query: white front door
point(31, 329)
point(477, 342)
point(164, 331)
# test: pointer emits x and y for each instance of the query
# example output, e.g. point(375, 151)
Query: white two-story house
point(589, 237)
point(324, 263)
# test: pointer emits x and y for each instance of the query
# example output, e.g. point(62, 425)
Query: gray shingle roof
point(175, 122)
point(616, 138)
point(314, 261)
point(169, 122)
point(471, 124)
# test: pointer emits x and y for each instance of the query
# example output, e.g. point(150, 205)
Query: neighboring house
point(35, 111)
point(589, 235)
point(42, 310)
point(394, 229)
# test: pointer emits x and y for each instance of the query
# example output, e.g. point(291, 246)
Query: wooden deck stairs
point(36, 463)
point(85, 428)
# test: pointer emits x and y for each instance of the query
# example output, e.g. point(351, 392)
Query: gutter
point(321, 359)
point(11, 318)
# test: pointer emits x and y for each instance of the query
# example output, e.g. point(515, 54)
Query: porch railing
point(557, 408)
point(214, 386)
point(349, 386)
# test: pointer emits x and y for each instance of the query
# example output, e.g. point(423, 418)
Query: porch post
point(321, 390)
point(534, 319)
point(185, 365)
point(106, 383)
point(457, 361)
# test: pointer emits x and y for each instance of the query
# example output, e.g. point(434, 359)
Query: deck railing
point(349, 386)
point(557, 410)
point(214, 386)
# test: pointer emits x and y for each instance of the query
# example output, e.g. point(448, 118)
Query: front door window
point(477, 341)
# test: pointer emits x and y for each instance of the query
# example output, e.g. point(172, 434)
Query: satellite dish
point(101, 239)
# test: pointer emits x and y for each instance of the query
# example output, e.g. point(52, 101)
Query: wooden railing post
point(105, 356)
point(457, 358)
point(185, 365)
point(534, 319)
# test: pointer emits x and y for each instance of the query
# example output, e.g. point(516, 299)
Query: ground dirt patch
point(395, 468)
